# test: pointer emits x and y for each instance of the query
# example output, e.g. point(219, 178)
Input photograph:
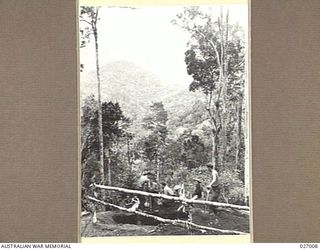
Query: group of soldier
point(148, 183)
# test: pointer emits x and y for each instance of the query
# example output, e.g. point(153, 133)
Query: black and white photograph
point(164, 106)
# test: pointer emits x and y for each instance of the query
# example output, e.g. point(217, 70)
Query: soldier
point(144, 181)
point(214, 186)
point(166, 189)
point(197, 194)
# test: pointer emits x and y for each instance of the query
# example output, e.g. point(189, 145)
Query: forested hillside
point(186, 145)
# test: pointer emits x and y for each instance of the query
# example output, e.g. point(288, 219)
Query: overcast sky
point(146, 37)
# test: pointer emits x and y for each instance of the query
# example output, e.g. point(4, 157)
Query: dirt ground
point(115, 223)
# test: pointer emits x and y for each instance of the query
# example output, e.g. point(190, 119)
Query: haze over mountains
point(136, 89)
point(126, 83)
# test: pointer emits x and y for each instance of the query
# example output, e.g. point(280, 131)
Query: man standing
point(143, 184)
point(214, 185)
point(143, 180)
point(166, 189)
point(197, 194)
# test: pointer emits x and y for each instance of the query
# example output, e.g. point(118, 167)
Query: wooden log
point(168, 221)
point(174, 198)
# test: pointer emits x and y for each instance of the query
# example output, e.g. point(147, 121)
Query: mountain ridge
point(135, 89)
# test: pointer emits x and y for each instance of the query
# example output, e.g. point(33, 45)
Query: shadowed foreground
point(115, 223)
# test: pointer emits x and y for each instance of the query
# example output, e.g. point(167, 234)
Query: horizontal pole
point(173, 198)
point(173, 222)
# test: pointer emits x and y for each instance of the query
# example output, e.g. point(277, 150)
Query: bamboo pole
point(173, 198)
point(173, 222)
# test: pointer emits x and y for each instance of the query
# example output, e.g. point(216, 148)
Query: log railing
point(173, 198)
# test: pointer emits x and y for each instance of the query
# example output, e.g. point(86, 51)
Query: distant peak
point(123, 65)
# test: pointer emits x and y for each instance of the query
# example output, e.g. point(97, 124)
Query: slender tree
point(155, 143)
point(115, 133)
point(212, 66)
point(90, 16)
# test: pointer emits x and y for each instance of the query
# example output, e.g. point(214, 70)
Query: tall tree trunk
point(158, 173)
point(108, 167)
point(215, 153)
point(237, 138)
point(101, 151)
point(224, 119)
point(240, 136)
point(158, 169)
point(247, 149)
point(223, 79)
point(129, 153)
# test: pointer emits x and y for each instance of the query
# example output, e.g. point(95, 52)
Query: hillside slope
point(136, 89)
